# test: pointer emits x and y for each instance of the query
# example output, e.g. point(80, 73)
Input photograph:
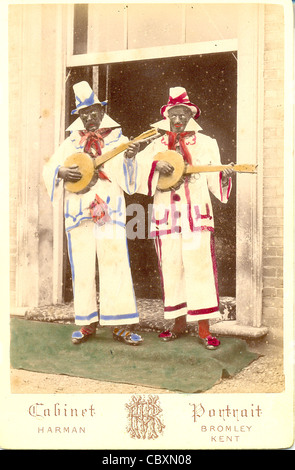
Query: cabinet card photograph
point(147, 238)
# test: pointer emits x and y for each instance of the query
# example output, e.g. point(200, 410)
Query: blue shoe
point(84, 333)
point(127, 337)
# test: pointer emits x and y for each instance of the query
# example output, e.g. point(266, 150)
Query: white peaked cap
point(85, 96)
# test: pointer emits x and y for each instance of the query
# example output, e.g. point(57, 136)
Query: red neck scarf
point(94, 141)
point(93, 144)
point(179, 137)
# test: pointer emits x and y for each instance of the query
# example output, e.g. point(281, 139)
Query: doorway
point(136, 91)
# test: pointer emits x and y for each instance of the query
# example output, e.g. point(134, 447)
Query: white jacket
point(189, 208)
point(121, 172)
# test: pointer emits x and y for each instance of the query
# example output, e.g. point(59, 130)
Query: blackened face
point(92, 116)
point(179, 117)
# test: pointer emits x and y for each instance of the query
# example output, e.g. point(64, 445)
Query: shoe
point(84, 333)
point(210, 342)
point(127, 337)
point(169, 335)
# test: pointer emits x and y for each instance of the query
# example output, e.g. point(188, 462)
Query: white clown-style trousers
point(107, 244)
point(189, 275)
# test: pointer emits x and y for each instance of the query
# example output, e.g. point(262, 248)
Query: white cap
point(85, 96)
point(178, 97)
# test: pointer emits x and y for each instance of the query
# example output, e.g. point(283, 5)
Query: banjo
point(88, 165)
point(181, 169)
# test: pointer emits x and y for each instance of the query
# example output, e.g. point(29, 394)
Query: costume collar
point(107, 122)
point(164, 125)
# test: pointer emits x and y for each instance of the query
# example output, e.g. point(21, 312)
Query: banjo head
point(86, 167)
point(176, 160)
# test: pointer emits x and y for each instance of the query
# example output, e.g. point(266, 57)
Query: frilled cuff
point(130, 168)
point(55, 182)
point(224, 190)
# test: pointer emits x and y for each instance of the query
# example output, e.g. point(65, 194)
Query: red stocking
point(204, 328)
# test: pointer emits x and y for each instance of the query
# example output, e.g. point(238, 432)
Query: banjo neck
point(243, 168)
point(175, 179)
point(98, 161)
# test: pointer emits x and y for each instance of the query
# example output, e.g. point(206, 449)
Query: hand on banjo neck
point(173, 169)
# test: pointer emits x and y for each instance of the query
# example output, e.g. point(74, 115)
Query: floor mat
point(182, 365)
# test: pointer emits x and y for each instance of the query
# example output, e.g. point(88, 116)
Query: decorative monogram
point(144, 417)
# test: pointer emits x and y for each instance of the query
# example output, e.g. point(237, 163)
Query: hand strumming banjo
point(87, 165)
point(181, 169)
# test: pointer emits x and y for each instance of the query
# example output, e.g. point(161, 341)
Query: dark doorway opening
point(136, 91)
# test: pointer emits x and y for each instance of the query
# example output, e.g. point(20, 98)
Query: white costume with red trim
point(182, 224)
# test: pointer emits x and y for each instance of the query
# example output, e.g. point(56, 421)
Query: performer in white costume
point(182, 219)
point(95, 220)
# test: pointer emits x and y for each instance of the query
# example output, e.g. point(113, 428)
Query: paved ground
point(265, 375)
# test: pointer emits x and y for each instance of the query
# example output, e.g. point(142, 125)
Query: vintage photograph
point(150, 248)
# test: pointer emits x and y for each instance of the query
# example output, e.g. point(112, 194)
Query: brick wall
point(273, 182)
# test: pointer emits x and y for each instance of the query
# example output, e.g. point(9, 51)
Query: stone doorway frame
point(250, 48)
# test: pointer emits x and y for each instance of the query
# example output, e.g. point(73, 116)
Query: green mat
point(183, 365)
